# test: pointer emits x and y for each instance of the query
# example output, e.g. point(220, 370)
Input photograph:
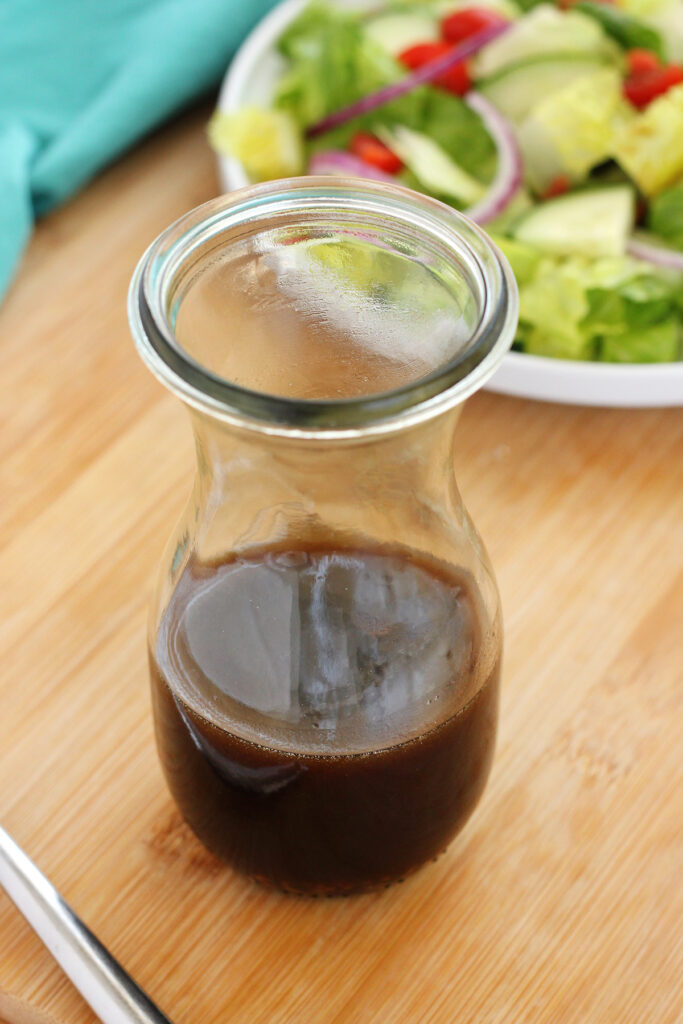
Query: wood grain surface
point(561, 901)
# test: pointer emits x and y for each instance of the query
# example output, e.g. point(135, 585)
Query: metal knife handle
point(103, 983)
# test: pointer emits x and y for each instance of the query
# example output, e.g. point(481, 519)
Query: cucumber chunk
point(593, 223)
point(517, 89)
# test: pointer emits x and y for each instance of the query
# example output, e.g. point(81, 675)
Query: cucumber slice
point(542, 31)
point(396, 32)
point(593, 223)
point(517, 88)
point(431, 165)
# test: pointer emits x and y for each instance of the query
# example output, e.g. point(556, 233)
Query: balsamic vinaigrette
point(325, 717)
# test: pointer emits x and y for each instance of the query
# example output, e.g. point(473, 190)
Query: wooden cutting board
point(561, 901)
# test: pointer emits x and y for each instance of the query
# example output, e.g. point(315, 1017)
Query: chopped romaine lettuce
point(266, 142)
point(650, 146)
point(551, 308)
point(666, 216)
point(657, 344)
point(572, 130)
point(606, 309)
point(306, 35)
point(524, 259)
point(641, 302)
point(335, 62)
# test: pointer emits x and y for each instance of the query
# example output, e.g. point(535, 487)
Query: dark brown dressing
point(324, 716)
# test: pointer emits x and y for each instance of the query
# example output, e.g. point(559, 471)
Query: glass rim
point(445, 386)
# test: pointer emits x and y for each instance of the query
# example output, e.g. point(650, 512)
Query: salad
point(557, 128)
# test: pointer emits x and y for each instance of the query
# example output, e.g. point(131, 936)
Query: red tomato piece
point(469, 21)
point(641, 61)
point(557, 187)
point(415, 56)
point(640, 90)
point(456, 79)
point(372, 150)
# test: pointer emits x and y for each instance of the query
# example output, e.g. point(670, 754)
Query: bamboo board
point(561, 901)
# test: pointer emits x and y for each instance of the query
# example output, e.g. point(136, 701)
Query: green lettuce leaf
point(333, 63)
point(637, 303)
point(666, 216)
point(526, 5)
point(611, 310)
point(524, 259)
point(636, 322)
point(305, 36)
point(552, 307)
point(656, 344)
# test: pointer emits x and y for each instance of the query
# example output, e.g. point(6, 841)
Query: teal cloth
point(80, 80)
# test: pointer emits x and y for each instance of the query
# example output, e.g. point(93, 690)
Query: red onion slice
point(337, 161)
point(509, 172)
point(652, 252)
point(427, 73)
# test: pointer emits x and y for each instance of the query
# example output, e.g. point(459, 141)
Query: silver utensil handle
point(103, 983)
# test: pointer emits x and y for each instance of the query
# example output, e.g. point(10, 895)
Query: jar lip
point(447, 385)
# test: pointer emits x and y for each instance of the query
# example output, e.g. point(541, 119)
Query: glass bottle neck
point(253, 490)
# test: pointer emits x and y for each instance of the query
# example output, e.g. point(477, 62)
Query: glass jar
point(325, 637)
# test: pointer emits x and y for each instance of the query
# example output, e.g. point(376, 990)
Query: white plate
point(250, 82)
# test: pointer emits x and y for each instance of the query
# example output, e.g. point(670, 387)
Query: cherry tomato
point(469, 21)
point(557, 187)
point(456, 79)
point(373, 151)
point(640, 90)
point(641, 61)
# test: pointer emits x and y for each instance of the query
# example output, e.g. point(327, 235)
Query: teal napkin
point(80, 80)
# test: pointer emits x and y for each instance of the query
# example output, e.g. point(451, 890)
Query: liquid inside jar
point(325, 717)
point(343, 311)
